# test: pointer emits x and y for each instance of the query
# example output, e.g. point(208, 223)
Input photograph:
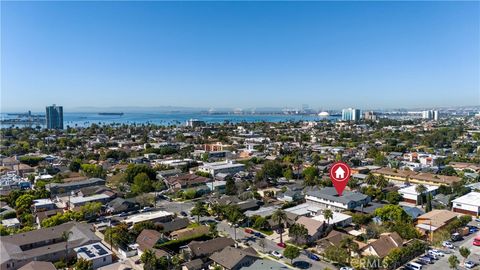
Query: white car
point(276, 254)
point(469, 264)
point(346, 268)
point(447, 244)
point(436, 252)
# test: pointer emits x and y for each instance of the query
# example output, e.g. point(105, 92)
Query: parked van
point(413, 266)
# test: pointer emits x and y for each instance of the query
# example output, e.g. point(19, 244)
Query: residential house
point(231, 258)
point(96, 253)
point(206, 248)
point(147, 239)
point(328, 198)
point(435, 220)
point(383, 245)
point(44, 244)
point(61, 188)
point(38, 265)
point(410, 194)
point(315, 228)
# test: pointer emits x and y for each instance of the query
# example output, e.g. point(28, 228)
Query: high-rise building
point(350, 114)
point(370, 116)
point(430, 114)
point(54, 115)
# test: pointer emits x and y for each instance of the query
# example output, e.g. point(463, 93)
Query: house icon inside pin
point(339, 173)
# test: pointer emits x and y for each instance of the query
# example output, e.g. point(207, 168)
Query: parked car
point(426, 259)
point(259, 235)
point(447, 244)
point(183, 213)
point(282, 245)
point(473, 229)
point(276, 254)
point(436, 252)
point(250, 231)
point(476, 241)
point(346, 268)
point(456, 237)
point(469, 264)
point(312, 256)
point(431, 256)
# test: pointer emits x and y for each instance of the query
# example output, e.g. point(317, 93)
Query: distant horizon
point(328, 54)
point(181, 109)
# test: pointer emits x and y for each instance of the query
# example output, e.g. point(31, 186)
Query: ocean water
point(87, 119)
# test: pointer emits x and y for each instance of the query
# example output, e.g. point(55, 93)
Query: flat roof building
point(228, 166)
point(157, 216)
point(467, 204)
point(96, 253)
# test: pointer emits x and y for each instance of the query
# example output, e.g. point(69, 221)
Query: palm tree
point(65, 237)
point(234, 217)
point(199, 210)
point(149, 260)
point(382, 182)
point(420, 189)
point(280, 217)
point(350, 245)
point(327, 214)
point(370, 179)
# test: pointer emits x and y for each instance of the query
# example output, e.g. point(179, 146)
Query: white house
point(97, 253)
point(227, 166)
point(410, 195)
point(467, 204)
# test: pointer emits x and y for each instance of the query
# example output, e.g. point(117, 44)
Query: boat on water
point(111, 113)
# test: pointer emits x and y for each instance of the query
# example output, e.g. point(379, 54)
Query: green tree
point(280, 217)
point(465, 252)
point(149, 260)
point(24, 202)
point(260, 223)
point(381, 182)
point(298, 232)
point(92, 170)
point(428, 205)
point(288, 174)
point(327, 214)
point(310, 174)
point(234, 216)
point(391, 213)
point(350, 245)
point(230, 187)
point(393, 197)
point(83, 264)
point(453, 261)
point(291, 252)
point(65, 237)
point(420, 189)
point(370, 179)
point(91, 209)
point(336, 254)
point(212, 230)
point(141, 184)
point(75, 165)
point(199, 210)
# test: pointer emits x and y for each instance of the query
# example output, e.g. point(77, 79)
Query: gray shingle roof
point(329, 193)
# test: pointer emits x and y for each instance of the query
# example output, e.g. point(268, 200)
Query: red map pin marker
point(340, 174)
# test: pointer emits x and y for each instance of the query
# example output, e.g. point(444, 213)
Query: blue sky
point(240, 54)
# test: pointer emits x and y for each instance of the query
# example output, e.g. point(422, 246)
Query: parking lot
point(467, 242)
